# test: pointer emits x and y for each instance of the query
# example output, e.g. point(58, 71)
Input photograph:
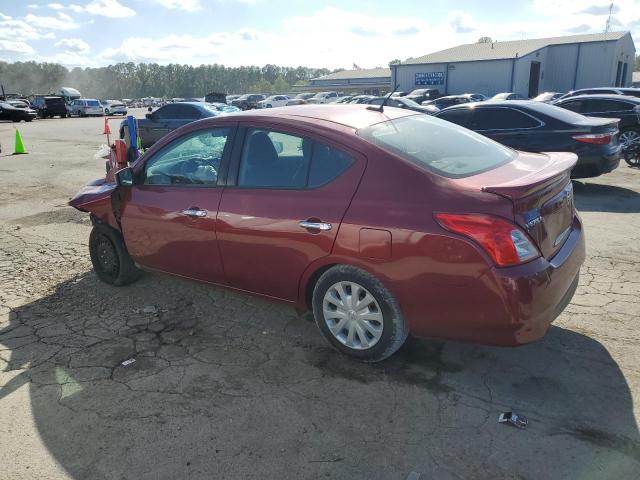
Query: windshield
point(438, 146)
point(559, 113)
point(212, 108)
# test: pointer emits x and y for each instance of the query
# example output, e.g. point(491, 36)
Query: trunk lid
point(539, 186)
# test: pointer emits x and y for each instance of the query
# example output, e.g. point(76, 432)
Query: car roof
point(496, 103)
point(350, 115)
point(601, 96)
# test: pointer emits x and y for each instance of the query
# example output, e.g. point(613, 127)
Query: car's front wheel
point(110, 258)
point(357, 314)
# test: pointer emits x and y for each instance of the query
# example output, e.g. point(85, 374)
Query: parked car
point(475, 97)
point(223, 107)
point(632, 92)
point(508, 96)
point(49, 106)
point(114, 107)
point(344, 99)
point(622, 107)
point(248, 102)
point(400, 102)
point(304, 96)
point(539, 127)
point(231, 98)
point(216, 97)
point(444, 102)
point(274, 101)
point(323, 97)
point(18, 103)
point(483, 245)
point(86, 107)
point(165, 119)
point(548, 97)
point(399, 93)
point(16, 114)
point(296, 101)
point(362, 99)
point(420, 95)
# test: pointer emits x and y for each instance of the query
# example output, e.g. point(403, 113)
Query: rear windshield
point(561, 114)
point(93, 103)
point(439, 146)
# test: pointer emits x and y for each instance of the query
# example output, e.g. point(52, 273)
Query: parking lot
point(230, 386)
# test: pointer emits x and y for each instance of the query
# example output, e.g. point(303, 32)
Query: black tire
point(110, 258)
point(394, 331)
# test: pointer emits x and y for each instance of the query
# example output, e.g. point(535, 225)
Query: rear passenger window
point(502, 119)
point(573, 106)
point(274, 159)
point(608, 106)
point(327, 163)
point(459, 116)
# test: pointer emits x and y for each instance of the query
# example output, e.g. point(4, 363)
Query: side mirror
point(148, 116)
point(124, 177)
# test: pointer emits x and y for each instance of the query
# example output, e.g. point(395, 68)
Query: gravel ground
point(229, 386)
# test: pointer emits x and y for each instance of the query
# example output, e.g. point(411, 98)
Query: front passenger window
point(193, 160)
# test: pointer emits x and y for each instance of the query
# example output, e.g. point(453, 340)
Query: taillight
point(505, 242)
point(594, 138)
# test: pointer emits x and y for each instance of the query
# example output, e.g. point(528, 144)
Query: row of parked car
point(50, 106)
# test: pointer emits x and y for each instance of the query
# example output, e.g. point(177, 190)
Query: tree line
point(131, 80)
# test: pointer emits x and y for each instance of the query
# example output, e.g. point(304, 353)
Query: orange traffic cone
point(107, 130)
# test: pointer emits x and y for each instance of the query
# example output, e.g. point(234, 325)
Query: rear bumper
point(535, 294)
point(593, 165)
point(504, 306)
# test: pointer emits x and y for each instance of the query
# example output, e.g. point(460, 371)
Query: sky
point(338, 34)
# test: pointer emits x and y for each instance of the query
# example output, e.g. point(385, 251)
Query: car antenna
point(384, 102)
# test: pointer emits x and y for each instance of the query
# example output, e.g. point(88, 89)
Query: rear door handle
point(315, 225)
point(194, 212)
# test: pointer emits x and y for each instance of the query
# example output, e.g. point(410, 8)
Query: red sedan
point(382, 223)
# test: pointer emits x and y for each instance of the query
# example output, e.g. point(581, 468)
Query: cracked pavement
point(229, 386)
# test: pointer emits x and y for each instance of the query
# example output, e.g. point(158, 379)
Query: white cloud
point(56, 6)
point(4, 17)
point(74, 45)
point(33, 6)
point(460, 22)
point(109, 8)
point(15, 48)
point(61, 22)
point(17, 29)
point(188, 5)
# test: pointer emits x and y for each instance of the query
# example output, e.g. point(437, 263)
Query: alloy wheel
point(628, 137)
point(353, 315)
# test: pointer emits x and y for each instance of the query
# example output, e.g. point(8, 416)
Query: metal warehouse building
point(372, 81)
point(527, 67)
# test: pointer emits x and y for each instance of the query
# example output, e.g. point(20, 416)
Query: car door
point(291, 190)
point(168, 216)
point(510, 127)
point(156, 127)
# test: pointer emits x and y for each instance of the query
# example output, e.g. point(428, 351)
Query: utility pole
point(607, 27)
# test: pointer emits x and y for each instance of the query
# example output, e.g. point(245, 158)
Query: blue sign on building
point(430, 78)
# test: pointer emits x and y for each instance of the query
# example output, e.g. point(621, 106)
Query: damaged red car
point(383, 222)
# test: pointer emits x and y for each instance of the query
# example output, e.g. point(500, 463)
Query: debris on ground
point(128, 362)
point(513, 419)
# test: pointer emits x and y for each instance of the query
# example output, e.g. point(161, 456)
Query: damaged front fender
point(96, 199)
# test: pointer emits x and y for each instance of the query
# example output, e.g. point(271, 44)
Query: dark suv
point(248, 102)
point(420, 95)
point(625, 108)
point(49, 106)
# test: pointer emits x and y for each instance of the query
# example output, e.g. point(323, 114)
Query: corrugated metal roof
point(506, 50)
point(356, 74)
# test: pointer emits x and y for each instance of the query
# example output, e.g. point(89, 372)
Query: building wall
point(487, 77)
point(597, 64)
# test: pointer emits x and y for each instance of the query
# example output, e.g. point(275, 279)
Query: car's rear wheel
point(629, 136)
point(110, 258)
point(357, 315)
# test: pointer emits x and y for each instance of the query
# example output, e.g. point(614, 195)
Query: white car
point(84, 107)
point(323, 97)
point(274, 101)
point(114, 107)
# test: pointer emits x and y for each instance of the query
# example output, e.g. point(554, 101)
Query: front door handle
point(315, 225)
point(194, 212)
